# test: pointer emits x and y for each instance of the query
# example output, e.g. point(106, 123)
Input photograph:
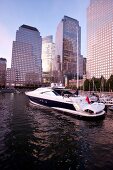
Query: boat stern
point(94, 108)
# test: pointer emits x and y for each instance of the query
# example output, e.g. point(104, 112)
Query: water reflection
point(35, 138)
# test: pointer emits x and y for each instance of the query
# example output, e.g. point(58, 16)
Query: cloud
point(5, 44)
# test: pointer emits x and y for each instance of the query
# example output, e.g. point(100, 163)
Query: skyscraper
point(48, 54)
point(68, 48)
point(3, 62)
point(100, 38)
point(26, 55)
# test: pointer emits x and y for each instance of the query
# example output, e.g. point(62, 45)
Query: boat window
point(50, 93)
point(56, 93)
point(63, 92)
point(67, 92)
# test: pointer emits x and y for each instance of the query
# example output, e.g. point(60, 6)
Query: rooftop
point(29, 27)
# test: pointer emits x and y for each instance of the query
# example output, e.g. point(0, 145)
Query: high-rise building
point(100, 38)
point(48, 55)
point(3, 62)
point(26, 56)
point(11, 78)
point(68, 48)
point(84, 66)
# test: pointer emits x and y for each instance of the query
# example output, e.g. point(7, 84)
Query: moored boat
point(107, 100)
point(110, 108)
point(72, 104)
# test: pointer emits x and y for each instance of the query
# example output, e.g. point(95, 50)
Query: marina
point(35, 138)
point(56, 85)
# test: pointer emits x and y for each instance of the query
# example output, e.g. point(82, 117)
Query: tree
point(102, 84)
point(86, 85)
point(110, 83)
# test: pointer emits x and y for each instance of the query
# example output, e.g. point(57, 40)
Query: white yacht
point(106, 99)
point(70, 103)
point(110, 108)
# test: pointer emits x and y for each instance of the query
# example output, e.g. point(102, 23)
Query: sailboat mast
point(77, 60)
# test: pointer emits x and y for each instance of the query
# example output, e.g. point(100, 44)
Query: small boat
point(110, 108)
point(106, 99)
point(72, 104)
point(8, 90)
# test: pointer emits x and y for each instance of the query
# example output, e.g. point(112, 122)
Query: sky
point(45, 15)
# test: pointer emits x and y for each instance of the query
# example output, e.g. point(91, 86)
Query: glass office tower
point(26, 55)
point(68, 48)
point(100, 38)
point(48, 55)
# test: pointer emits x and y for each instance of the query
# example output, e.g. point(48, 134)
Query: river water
point(38, 139)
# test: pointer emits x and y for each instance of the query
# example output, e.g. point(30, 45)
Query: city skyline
point(45, 16)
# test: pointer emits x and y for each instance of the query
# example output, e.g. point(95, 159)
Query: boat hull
point(52, 103)
point(64, 107)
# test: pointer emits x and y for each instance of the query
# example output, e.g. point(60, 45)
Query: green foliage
point(99, 84)
point(86, 85)
point(109, 84)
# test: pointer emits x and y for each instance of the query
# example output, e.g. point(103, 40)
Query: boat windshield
point(50, 93)
point(63, 91)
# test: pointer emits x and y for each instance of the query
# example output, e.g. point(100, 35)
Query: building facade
point(69, 60)
point(84, 66)
point(11, 77)
point(100, 38)
point(3, 63)
point(26, 56)
point(48, 55)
